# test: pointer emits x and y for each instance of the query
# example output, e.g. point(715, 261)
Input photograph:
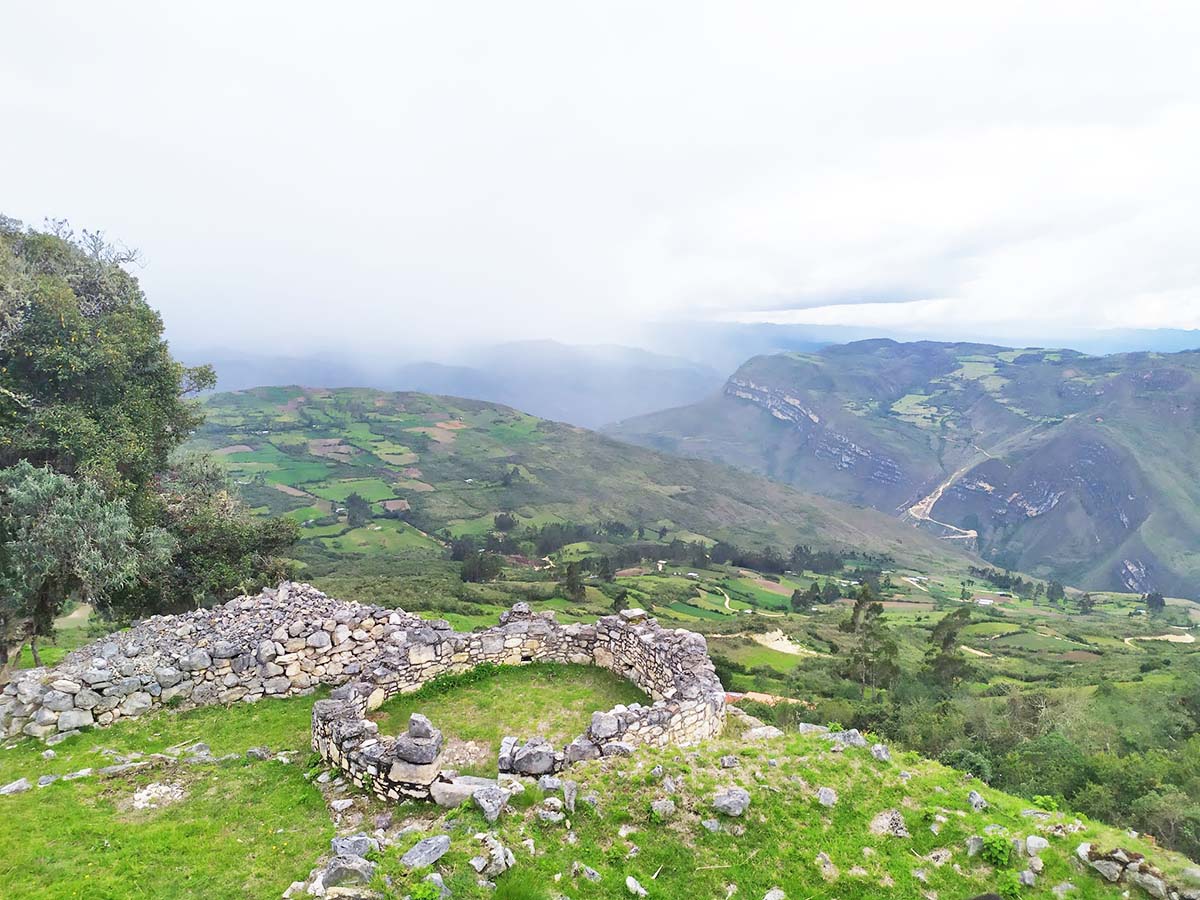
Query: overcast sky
point(380, 175)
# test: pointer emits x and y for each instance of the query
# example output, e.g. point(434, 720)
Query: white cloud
point(388, 175)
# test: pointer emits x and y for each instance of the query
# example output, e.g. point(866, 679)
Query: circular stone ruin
point(287, 640)
point(671, 666)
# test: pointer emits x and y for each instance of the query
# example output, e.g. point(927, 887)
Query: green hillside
point(436, 468)
point(1085, 468)
point(173, 806)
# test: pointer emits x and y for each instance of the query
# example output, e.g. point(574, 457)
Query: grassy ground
point(245, 828)
point(554, 701)
point(249, 828)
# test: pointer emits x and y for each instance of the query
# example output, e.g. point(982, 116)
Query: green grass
point(381, 536)
point(553, 701)
point(369, 489)
point(244, 829)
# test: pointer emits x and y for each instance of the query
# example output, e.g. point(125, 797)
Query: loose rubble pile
point(1127, 867)
point(279, 643)
point(672, 666)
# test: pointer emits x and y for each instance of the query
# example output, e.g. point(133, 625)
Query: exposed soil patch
point(331, 448)
point(291, 491)
point(777, 640)
point(439, 435)
point(1080, 656)
point(973, 652)
point(631, 572)
point(419, 486)
point(1170, 638)
point(452, 424)
point(413, 472)
point(396, 505)
point(233, 448)
point(773, 586)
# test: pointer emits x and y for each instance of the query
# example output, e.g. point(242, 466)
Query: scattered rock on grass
point(731, 801)
point(354, 845)
point(631, 884)
point(496, 859)
point(490, 801)
point(347, 870)
point(977, 802)
point(426, 852)
point(889, 822)
point(827, 796)
point(15, 787)
point(663, 809)
point(154, 795)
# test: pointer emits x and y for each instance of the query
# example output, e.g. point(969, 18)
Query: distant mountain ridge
point(586, 385)
point(1049, 461)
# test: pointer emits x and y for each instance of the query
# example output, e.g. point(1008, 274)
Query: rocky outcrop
point(671, 666)
point(827, 444)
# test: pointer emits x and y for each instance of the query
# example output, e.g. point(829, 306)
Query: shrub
point(426, 890)
point(1046, 802)
point(1008, 886)
point(997, 849)
point(758, 709)
point(968, 761)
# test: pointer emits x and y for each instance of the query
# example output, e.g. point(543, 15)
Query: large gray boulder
point(535, 757)
point(732, 801)
point(347, 870)
point(490, 801)
point(354, 845)
point(426, 852)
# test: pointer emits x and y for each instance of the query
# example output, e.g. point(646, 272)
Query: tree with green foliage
point(863, 600)
point(62, 539)
point(830, 593)
point(88, 387)
point(479, 566)
point(1055, 592)
point(358, 510)
point(504, 521)
point(1087, 604)
point(604, 570)
point(572, 582)
point(806, 599)
point(944, 659)
point(620, 600)
point(222, 549)
point(874, 656)
point(87, 384)
point(1155, 603)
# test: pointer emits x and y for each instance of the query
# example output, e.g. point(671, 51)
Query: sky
point(391, 178)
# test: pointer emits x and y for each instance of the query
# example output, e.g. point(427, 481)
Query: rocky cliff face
point(832, 447)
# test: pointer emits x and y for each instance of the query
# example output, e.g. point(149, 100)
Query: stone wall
point(288, 639)
point(279, 643)
point(672, 667)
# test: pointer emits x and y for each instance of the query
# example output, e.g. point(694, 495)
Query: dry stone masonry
point(289, 639)
point(281, 642)
point(671, 666)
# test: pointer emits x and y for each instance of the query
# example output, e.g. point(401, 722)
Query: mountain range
point(1054, 462)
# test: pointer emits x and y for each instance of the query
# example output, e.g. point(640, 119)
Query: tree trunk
point(37, 658)
point(11, 642)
